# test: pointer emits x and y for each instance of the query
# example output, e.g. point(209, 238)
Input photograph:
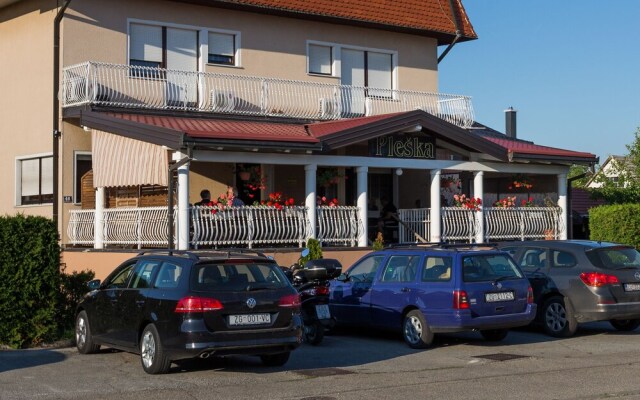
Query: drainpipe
point(56, 111)
point(458, 34)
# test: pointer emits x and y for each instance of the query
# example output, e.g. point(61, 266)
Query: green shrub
point(29, 280)
point(72, 288)
point(618, 223)
point(315, 251)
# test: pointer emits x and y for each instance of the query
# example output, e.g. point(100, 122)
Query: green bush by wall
point(618, 223)
point(29, 280)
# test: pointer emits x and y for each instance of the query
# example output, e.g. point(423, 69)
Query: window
point(400, 269)
point(436, 269)
point(563, 259)
point(143, 273)
point(146, 46)
point(482, 268)
point(320, 59)
point(82, 165)
point(365, 270)
point(168, 276)
point(35, 180)
point(222, 48)
point(533, 259)
point(371, 69)
point(120, 277)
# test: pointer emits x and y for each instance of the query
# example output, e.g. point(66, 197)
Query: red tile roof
point(527, 148)
point(420, 15)
point(321, 129)
point(225, 129)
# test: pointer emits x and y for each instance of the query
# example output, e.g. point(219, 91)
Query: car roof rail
point(227, 252)
point(441, 245)
point(170, 252)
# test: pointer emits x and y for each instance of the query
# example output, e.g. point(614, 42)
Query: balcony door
point(364, 69)
point(182, 55)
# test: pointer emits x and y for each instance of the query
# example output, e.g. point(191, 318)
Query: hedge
point(619, 223)
point(29, 280)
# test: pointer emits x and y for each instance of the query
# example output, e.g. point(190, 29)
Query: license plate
point(322, 311)
point(499, 296)
point(631, 287)
point(250, 319)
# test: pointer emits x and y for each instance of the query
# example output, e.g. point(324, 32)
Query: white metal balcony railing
point(249, 225)
point(127, 86)
point(246, 226)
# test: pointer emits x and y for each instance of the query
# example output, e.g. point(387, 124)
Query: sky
point(571, 68)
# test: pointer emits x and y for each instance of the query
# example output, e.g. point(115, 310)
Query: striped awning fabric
point(120, 161)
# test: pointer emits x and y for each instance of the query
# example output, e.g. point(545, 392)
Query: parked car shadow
point(18, 359)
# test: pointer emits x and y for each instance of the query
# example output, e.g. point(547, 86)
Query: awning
point(121, 161)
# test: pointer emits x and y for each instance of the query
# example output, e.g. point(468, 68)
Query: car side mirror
point(94, 284)
point(343, 278)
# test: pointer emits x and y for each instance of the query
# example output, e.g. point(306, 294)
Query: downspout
point(458, 33)
point(56, 111)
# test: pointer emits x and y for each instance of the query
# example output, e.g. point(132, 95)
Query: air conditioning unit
point(329, 108)
point(222, 101)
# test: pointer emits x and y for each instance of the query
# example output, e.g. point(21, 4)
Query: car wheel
point(84, 340)
point(415, 331)
point(314, 333)
point(152, 356)
point(625, 325)
point(494, 335)
point(275, 360)
point(558, 319)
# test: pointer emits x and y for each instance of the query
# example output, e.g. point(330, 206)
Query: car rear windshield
point(489, 267)
point(241, 276)
point(618, 257)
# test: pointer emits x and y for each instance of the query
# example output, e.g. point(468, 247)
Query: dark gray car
point(577, 281)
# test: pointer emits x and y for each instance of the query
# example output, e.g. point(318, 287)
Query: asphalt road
point(598, 363)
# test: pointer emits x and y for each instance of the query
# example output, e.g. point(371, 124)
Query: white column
point(363, 207)
point(98, 222)
point(434, 231)
point(182, 221)
point(562, 203)
point(310, 192)
point(478, 191)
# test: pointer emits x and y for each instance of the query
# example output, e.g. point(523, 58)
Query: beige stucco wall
point(26, 69)
point(103, 262)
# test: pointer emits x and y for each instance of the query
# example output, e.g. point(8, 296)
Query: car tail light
point(317, 291)
point(290, 300)
point(460, 300)
point(597, 279)
point(529, 295)
point(197, 304)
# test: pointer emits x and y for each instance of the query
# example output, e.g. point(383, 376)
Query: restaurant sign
point(403, 146)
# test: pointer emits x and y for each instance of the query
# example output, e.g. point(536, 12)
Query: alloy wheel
point(413, 329)
point(556, 317)
point(148, 349)
point(81, 332)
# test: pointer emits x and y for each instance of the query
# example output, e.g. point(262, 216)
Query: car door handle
point(405, 289)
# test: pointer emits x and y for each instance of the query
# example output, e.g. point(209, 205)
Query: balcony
point(125, 86)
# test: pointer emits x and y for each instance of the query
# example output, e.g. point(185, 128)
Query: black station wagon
point(168, 306)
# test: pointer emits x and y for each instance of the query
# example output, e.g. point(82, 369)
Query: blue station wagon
point(422, 290)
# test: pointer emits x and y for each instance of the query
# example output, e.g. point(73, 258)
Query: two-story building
point(109, 106)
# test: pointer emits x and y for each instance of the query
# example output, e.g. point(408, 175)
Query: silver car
point(577, 281)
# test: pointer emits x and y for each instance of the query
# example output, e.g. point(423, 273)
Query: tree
point(577, 170)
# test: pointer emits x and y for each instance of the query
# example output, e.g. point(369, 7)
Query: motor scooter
point(312, 281)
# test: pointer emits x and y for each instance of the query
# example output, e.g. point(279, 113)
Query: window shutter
point(182, 52)
point(145, 43)
point(47, 175)
point(222, 44)
point(379, 72)
point(30, 177)
point(319, 59)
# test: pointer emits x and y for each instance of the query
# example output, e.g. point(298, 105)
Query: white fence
point(459, 224)
point(414, 220)
point(117, 85)
point(522, 223)
point(339, 225)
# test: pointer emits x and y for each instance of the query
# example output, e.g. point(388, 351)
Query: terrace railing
point(460, 224)
point(126, 86)
point(338, 225)
point(415, 220)
point(521, 223)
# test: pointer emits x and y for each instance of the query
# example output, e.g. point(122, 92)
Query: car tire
point(557, 318)
point(494, 335)
point(314, 333)
point(275, 360)
point(84, 339)
point(625, 325)
point(416, 331)
point(152, 355)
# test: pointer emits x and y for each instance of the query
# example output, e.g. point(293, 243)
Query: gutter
point(56, 111)
point(458, 33)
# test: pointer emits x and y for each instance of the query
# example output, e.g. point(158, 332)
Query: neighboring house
point(285, 92)
point(614, 169)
